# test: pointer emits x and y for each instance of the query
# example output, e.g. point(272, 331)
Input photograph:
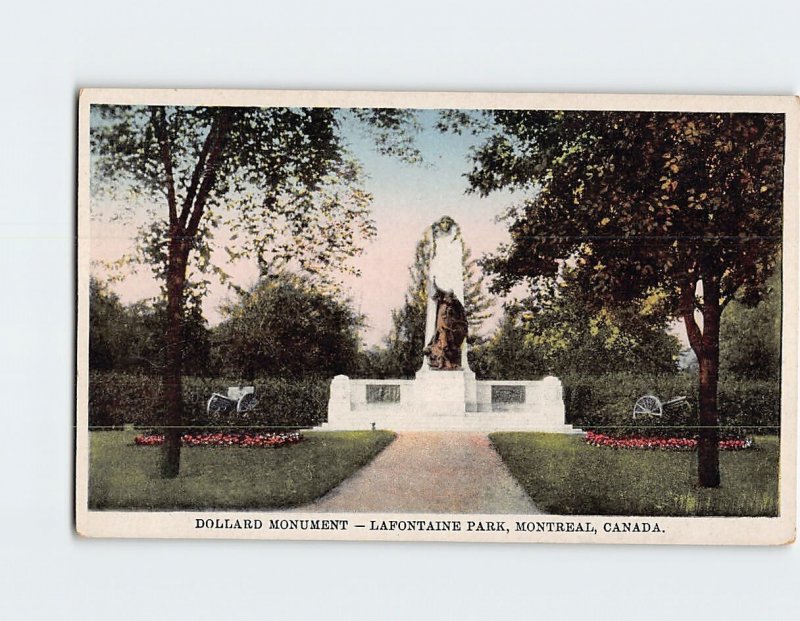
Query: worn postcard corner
point(476, 317)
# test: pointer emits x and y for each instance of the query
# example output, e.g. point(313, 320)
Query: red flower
point(227, 439)
point(655, 443)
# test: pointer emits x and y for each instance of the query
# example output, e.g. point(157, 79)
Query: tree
point(750, 338)
point(509, 353)
point(406, 340)
point(130, 337)
point(688, 205)
point(284, 326)
point(559, 331)
point(148, 322)
point(278, 177)
point(109, 340)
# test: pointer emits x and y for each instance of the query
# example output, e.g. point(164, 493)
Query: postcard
point(472, 317)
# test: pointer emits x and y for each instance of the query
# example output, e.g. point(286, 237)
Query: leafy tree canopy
point(286, 326)
point(277, 182)
point(643, 203)
point(560, 332)
point(750, 338)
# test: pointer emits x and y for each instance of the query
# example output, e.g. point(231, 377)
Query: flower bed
point(663, 444)
point(225, 439)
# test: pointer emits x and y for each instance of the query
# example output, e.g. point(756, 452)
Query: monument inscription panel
point(508, 394)
point(383, 393)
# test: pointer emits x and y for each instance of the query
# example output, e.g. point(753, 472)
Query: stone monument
point(444, 394)
point(445, 319)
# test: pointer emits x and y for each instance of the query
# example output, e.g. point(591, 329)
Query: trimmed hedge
point(117, 399)
point(605, 403)
point(602, 403)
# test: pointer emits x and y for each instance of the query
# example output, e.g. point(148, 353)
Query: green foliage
point(402, 355)
point(117, 399)
point(509, 354)
point(605, 403)
point(750, 406)
point(641, 201)
point(565, 476)
point(277, 180)
point(123, 476)
point(641, 204)
point(750, 338)
point(287, 327)
point(109, 340)
point(131, 337)
point(559, 331)
point(685, 205)
point(392, 130)
point(376, 362)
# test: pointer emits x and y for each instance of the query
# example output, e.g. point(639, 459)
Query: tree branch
point(159, 119)
point(196, 175)
point(727, 294)
point(724, 300)
point(687, 312)
point(220, 130)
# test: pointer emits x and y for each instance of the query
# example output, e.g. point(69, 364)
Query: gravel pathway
point(431, 472)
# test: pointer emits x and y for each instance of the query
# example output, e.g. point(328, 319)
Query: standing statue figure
point(444, 349)
point(445, 321)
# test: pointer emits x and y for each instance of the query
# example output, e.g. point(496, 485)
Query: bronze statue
point(444, 350)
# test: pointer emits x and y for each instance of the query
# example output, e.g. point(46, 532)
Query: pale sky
point(407, 199)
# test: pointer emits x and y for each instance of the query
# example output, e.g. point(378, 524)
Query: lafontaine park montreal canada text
point(478, 526)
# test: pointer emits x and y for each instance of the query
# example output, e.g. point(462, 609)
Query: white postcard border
point(689, 530)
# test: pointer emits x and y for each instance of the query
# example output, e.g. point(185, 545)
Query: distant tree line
point(557, 332)
point(286, 326)
point(282, 327)
point(132, 337)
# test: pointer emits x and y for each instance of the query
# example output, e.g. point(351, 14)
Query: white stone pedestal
point(447, 401)
point(438, 393)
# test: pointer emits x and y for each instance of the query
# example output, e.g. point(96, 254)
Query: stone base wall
point(447, 400)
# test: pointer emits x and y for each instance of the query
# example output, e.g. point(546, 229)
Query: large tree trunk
point(183, 227)
point(706, 346)
point(708, 447)
point(173, 363)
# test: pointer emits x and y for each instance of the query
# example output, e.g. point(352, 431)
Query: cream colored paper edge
point(692, 530)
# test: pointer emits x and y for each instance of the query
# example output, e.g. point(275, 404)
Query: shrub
point(117, 399)
point(752, 406)
point(283, 403)
point(605, 403)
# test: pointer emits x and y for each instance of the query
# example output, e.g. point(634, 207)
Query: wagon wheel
point(219, 404)
point(649, 405)
point(247, 403)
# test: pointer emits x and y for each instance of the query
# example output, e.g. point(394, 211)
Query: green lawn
point(564, 475)
point(125, 476)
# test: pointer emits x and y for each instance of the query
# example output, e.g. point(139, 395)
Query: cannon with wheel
point(239, 398)
point(651, 405)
